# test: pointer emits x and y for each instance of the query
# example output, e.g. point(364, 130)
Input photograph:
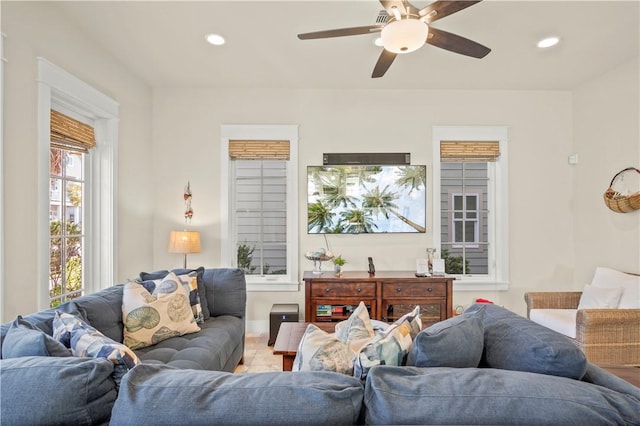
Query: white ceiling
point(163, 43)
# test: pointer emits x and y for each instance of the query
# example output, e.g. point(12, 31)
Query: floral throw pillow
point(150, 318)
point(322, 351)
point(390, 347)
point(357, 326)
point(190, 283)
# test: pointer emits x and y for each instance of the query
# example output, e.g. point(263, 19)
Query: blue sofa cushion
point(42, 320)
point(103, 310)
point(229, 287)
point(158, 275)
point(23, 339)
point(513, 342)
point(211, 348)
point(487, 396)
point(161, 395)
point(56, 391)
point(455, 342)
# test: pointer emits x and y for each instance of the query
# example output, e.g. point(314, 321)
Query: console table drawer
point(363, 290)
point(400, 289)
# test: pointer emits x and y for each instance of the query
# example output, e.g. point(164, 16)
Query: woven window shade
point(254, 150)
point(469, 151)
point(69, 133)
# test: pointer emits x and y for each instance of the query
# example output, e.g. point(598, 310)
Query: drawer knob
point(398, 289)
point(358, 289)
point(429, 289)
point(327, 290)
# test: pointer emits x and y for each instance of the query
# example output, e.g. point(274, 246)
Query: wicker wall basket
point(618, 202)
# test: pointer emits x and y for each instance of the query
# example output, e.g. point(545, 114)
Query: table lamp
point(184, 242)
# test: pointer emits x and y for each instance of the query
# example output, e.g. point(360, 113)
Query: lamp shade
point(184, 242)
point(404, 36)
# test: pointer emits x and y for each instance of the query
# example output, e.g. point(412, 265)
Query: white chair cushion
point(610, 278)
point(599, 297)
point(561, 320)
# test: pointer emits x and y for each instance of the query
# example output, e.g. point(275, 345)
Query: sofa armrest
point(608, 326)
point(552, 300)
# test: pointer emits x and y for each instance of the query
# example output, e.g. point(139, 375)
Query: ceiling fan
point(408, 28)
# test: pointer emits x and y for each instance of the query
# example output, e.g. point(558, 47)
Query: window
point(260, 208)
point(77, 138)
point(66, 220)
point(463, 217)
point(470, 205)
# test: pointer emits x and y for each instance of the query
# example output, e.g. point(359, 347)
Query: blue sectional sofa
point(512, 371)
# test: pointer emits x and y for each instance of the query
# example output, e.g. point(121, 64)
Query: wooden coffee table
point(288, 339)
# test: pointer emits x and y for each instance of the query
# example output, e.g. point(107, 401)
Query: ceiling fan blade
point(341, 32)
point(384, 62)
point(440, 9)
point(456, 43)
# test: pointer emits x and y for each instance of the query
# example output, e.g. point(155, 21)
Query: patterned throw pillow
point(190, 283)
point(151, 318)
point(202, 292)
point(322, 351)
point(390, 347)
point(357, 326)
point(85, 341)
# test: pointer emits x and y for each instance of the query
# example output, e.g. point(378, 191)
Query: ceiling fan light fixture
point(548, 42)
point(404, 36)
point(215, 39)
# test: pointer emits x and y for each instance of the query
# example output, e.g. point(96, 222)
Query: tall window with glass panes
point(71, 141)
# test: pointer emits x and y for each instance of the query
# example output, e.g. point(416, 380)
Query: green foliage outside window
point(453, 264)
point(73, 261)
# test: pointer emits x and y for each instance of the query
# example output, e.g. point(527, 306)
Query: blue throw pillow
point(512, 342)
point(455, 342)
point(23, 339)
point(56, 391)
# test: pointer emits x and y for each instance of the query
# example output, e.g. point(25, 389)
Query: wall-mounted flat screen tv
point(366, 199)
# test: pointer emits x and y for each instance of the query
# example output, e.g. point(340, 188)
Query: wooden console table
point(387, 294)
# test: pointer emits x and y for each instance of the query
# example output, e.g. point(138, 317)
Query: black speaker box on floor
point(279, 314)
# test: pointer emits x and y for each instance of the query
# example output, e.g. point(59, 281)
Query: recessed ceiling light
point(548, 42)
point(215, 39)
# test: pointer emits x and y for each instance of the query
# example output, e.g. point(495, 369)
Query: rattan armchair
point(606, 336)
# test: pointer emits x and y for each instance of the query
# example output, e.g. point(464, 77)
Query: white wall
point(559, 228)
point(38, 29)
point(607, 140)
point(186, 145)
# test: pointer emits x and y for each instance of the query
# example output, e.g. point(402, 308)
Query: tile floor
point(258, 357)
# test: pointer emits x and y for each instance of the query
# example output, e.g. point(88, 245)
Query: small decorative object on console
point(318, 256)
point(339, 262)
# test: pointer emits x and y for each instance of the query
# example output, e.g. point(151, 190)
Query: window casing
point(63, 92)
point(472, 195)
point(259, 204)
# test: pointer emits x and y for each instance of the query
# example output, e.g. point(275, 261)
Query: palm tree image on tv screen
point(366, 199)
